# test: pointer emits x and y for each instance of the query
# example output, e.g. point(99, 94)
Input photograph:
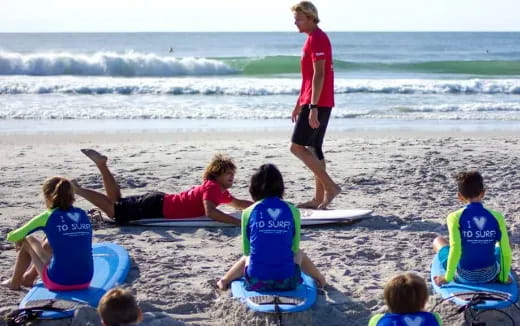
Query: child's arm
point(455, 245)
point(214, 213)
point(438, 318)
point(505, 249)
point(297, 228)
point(375, 319)
point(35, 224)
point(245, 235)
point(240, 203)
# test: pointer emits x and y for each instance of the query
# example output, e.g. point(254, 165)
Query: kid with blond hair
point(64, 260)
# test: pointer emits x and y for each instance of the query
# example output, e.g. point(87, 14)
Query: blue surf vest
point(416, 319)
point(271, 237)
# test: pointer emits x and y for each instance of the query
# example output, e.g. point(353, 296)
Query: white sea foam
point(129, 64)
point(237, 86)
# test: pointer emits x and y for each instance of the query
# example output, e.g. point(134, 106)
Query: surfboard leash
point(478, 298)
point(277, 303)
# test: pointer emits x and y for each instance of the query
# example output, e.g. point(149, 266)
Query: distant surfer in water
point(170, 50)
point(200, 200)
point(314, 104)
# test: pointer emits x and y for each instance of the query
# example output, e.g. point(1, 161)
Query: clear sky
point(250, 15)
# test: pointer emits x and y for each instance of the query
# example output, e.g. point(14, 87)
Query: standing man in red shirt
point(314, 104)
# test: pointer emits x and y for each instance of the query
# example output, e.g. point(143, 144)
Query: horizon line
point(273, 31)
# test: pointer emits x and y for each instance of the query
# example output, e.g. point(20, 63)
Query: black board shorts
point(138, 207)
point(304, 135)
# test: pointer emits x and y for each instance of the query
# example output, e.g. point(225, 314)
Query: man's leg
point(319, 192)
point(330, 189)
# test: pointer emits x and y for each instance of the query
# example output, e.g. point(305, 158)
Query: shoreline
point(217, 126)
point(166, 136)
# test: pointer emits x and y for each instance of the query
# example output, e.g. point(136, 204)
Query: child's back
point(471, 255)
point(421, 318)
point(64, 259)
point(474, 232)
point(271, 226)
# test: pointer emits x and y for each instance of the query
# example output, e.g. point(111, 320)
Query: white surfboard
point(308, 217)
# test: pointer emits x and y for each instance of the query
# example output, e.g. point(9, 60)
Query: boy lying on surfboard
point(198, 201)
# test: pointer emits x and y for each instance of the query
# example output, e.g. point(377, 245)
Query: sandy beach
point(404, 177)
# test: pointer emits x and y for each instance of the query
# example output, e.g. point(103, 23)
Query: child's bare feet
point(29, 277)
point(321, 282)
point(94, 156)
point(7, 283)
point(222, 284)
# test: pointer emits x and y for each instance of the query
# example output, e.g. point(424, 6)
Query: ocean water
point(221, 81)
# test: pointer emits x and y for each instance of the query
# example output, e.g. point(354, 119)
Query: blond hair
point(308, 9)
point(406, 293)
point(219, 165)
point(118, 307)
point(58, 193)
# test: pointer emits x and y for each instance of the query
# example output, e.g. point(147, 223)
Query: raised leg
point(109, 182)
point(96, 198)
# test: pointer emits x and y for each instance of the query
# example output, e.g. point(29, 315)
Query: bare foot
point(222, 284)
point(75, 185)
point(329, 196)
point(94, 156)
point(311, 204)
point(7, 283)
point(29, 277)
point(321, 282)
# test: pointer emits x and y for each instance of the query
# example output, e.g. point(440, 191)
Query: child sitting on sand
point(64, 260)
point(198, 201)
point(406, 296)
point(118, 307)
point(471, 256)
point(270, 239)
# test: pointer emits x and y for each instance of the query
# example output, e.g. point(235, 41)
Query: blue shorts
point(444, 253)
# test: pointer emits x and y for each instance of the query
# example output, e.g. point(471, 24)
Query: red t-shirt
point(317, 47)
point(189, 203)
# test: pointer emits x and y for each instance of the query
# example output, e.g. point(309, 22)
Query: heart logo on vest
point(480, 222)
point(74, 216)
point(274, 213)
point(417, 321)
